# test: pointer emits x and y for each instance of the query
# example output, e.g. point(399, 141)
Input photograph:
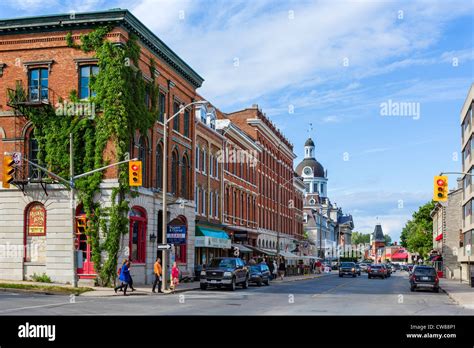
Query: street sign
point(17, 158)
point(163, 246)
point(468, 249)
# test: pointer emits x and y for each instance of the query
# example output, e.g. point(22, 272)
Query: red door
point(86, 271)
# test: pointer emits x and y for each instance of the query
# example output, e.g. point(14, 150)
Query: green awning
point(206, 232)
point(209, 238)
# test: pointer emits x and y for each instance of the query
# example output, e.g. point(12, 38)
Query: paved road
point(329, 295)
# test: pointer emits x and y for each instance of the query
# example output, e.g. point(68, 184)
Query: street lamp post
point(165, 182)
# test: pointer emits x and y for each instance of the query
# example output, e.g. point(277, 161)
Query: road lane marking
point(333, 289)
point(33, 307)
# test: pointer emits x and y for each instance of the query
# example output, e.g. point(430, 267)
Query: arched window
point(138, 232)
point(185, 177)
point(159, 166)
point(143, 156)
point(174, 172)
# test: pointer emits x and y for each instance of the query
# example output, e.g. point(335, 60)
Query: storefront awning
point(288, 255)
point(242, 248)
point(262, 251)
point(400, 256)
point(439, 237)
point(208, 238)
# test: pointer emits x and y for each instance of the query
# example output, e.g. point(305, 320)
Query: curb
point(40, 292)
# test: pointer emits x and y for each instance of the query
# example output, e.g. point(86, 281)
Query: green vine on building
point(120, 92)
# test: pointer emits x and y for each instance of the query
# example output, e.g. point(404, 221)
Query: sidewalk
point(462, 294)
point(96, 291)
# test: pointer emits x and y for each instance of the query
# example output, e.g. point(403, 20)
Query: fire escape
point(20, 100)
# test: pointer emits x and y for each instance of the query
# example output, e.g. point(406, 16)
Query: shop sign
point(176, 235)
point(212, 242)
point(36, 220)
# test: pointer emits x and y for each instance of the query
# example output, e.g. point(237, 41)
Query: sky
point(333, 70)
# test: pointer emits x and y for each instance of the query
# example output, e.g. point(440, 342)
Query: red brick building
point(211, 239)
point(275, 175)
point(34, 54)
point(240, 184)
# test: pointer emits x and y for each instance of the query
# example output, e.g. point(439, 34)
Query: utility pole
point(73, 209)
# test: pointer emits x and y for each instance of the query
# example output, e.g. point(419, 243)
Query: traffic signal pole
point(71, 184)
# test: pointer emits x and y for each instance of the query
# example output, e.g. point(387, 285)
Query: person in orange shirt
point(158, 272)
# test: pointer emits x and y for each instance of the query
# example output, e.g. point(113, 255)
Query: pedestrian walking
point(125, 278)
point(270, 268)
point(158, 271)
point(282, 269)
point(130, 284)
point(119, 272)
point(275, 269)
point(174, 277)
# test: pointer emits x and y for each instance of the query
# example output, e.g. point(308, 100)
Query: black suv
point(225, 271)
point(347, 268)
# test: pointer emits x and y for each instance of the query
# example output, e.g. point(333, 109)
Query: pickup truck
point(225, 272)
point(347, 268)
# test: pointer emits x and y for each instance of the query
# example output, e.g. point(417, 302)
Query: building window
point(204, 154)
point(159, 166)
point(196, 200)
point(203, 208)
point(32, 150)
point(185, 177)
point(217, 167)
point(86, 72)
point(161, 106)
point(174, 172)
point(217, 205)
point(197, 158)
point(211, 165)
point(176, 119)
point(143, 156)
point(186, 123)
point(138, 232)
point(38, 84)
point(211, 204)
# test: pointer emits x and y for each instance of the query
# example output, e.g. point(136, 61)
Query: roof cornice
point(117, 17)
point(260, 124)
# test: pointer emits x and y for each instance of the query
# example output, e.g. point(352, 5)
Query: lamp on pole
point(165, 180)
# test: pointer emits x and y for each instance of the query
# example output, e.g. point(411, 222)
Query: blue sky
point(334, 62)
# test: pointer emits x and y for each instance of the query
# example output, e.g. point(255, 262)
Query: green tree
point(416, 235)
point(388, 239)
point(360, 238)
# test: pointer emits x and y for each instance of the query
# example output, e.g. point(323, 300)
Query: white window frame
point(196, 197)
point(211, 204)
point(204, 154)
point(197, 158)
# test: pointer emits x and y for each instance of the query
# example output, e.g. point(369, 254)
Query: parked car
point(363, 266)
point(334, 265)
point(327, 265)
point(424, 277)
point(347, 268)
point(388, 267)
point(396, 267)
point(358, 270)
point(377, 270)
point(404, 267)
point(259, 274)
point(225, 272)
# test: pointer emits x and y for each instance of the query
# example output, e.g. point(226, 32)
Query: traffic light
point(135, 173)
point(440, 193)
point(8, 171)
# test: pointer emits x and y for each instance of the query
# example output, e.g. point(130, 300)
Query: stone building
point(447, 221)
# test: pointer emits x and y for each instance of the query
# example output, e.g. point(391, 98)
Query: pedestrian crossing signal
point(135, 173)
point(8, 171)
point(440, 192)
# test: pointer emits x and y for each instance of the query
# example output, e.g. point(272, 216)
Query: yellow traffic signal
point(440, 193)
point(135, 173)
point(8, 171)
